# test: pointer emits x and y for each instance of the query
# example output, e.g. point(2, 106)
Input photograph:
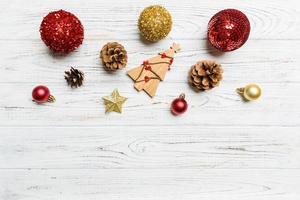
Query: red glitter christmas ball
point(62, 31)
point(228, 30)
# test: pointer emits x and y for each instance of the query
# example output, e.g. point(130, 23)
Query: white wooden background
point(222, 148)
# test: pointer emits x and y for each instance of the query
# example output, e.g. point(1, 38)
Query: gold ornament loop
point(250, 92)
point(51, 99)
point(182, 96)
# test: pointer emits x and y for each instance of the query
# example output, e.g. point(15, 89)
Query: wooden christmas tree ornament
point(148, 75)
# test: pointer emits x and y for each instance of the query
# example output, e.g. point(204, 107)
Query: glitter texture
point(155, 23)
point(228, 30)
point(62, 31)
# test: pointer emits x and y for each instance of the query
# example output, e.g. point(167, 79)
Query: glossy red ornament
point(179, 105)
point(228, 30)
point(41, 94)
point(62, 31)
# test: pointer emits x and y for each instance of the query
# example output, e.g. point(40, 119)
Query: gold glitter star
point(114, 102)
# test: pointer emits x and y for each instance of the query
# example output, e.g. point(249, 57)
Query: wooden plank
point(103, 19)
point(149, 184)
point(258, 61)
point(149, 147)
point(222, 107)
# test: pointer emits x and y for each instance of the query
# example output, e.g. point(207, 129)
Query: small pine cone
point(74, 77)
point(113, 56)
point(205, 75)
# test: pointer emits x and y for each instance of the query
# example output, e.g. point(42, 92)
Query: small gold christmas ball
point(155, 23)
point(250, 92)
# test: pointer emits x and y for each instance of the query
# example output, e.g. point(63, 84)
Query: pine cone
point(74, 77)
point(114, 56)
point(205, 75)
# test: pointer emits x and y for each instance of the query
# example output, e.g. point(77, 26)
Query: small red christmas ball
point(228, 30)
point(62, 31)
point(41, 94)
point(179, 105)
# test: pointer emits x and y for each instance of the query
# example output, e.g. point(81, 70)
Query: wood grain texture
point(103, 19)
point(222, 148)
point(155, 148)
point(262, 62)
point(149, 184)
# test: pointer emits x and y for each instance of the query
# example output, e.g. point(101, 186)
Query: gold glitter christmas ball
point(155, 23)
